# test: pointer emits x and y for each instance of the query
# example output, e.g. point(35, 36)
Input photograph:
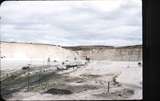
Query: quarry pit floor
point(98, 80)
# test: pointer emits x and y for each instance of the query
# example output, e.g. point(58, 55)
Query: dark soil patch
point(16, 82)
point(55, 91)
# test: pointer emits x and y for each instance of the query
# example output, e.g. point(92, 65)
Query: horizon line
point(68, 45)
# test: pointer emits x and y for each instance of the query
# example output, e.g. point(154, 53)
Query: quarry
point(35, 71)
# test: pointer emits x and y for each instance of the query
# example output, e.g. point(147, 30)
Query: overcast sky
point(105, 22)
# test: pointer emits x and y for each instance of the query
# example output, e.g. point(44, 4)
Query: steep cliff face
point(97, 54)
point(130, 53)
point(24, 51)
point(133, 53)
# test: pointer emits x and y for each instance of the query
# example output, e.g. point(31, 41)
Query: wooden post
point(108, 86)
point(48, 61)
point(28, 80)
point(39, 78)
point(46, 85)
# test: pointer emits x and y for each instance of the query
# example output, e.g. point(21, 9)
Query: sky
point(103, 22)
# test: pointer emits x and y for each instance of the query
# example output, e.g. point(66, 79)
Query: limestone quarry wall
point(16, 55)
point(97, 54)
point(117, 54)
point(23, 51)
point(129, 54)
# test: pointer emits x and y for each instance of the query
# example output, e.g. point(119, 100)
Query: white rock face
point(39, 51)
point(20, 54)
point(36, 54)
point(131, 53)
